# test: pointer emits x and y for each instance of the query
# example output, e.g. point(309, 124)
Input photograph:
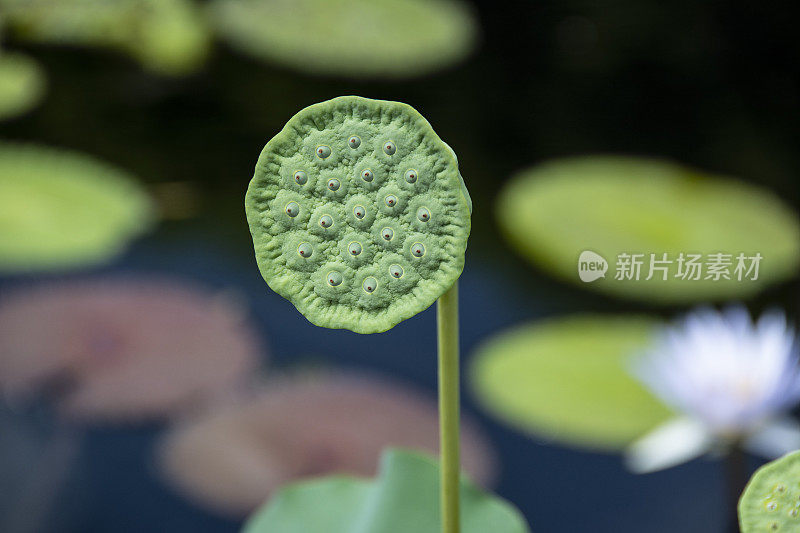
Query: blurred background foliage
point(636, 213)
point(154, 99)
point(63, 209)
point(21, 84)
point(568, 380)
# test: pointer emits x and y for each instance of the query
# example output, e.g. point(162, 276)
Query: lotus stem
point(736, 479)
point(447, 321)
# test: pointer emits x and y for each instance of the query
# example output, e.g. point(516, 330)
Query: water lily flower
point(732, 381)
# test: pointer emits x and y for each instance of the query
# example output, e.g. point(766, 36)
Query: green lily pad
point(771, 500)
point(358, 213)
point(404, 497)
point(568, 380)
point(173, 38)
point(360, 38)
point(613, 205)
point(170, 37)
point(62, 209)
point(22, 84)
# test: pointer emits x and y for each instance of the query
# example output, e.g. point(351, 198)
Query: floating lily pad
point(362, 38)
point(173, 39)
point(299, 427)
point(568, 380)
point(403, 498)
point(62, 209)
point(613, 205)
point(22, 84)
point(118, 349)
point(166, 36)
point(771, 500)
point(358, 213)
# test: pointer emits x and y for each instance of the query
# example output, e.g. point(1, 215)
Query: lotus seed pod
point(305, 250)
point(334, 278)
point(355, 248)
point(389, 148)
point(771, 500)
point(384, 247)
point(323, 151)
point(300, 177)
point(292, 209)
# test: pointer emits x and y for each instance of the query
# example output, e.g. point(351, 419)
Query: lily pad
point(301, 426)
point(360, 38)
point(167, 36)
point(614, 205)
point(568, 380)
point(403, 498)
point(22, 84)
point(116, 349)
point(358, 213)
point(771, 500)
point(173, 39)
point(62, 209)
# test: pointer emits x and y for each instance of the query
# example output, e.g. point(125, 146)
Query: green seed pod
point(363, 230)
point(367, 175)
point(771, 500)
point(300, 177)
point(292, 209)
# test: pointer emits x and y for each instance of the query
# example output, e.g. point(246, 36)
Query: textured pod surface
point(771, 500)
point(336, 228)
point(62, 209)
point(401, 499)
point(613, 205)
point(22, 84)
point(360, 38)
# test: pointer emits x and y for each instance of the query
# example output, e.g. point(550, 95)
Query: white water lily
point(732, 382)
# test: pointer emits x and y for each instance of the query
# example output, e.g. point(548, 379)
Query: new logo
point(591, 266)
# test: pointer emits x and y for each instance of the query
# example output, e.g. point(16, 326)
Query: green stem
point(447, 321)
point(736, 474)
